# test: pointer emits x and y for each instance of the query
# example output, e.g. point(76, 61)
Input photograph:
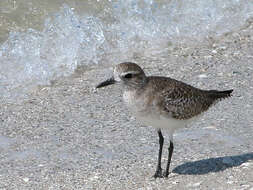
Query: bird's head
point(129, 74)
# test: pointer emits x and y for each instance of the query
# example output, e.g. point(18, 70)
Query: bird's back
point(180, 100)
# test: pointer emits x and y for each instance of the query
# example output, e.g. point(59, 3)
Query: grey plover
point(161, 102)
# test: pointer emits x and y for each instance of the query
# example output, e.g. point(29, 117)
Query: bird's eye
point(128, 76)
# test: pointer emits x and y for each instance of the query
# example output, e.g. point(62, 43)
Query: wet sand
point(72, 136)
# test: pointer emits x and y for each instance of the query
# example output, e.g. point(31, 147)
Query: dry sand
point(71, 136)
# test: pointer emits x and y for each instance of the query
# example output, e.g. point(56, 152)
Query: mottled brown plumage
point(162, 102)
point(182, 100)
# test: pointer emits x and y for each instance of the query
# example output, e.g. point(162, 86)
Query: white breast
point(150, 115)
point(134, 103)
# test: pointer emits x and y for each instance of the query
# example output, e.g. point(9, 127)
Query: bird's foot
point(158, 173)
point(165, 174)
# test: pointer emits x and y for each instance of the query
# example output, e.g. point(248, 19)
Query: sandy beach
point(69, 135)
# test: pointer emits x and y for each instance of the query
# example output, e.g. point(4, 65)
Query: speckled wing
point(182, 101)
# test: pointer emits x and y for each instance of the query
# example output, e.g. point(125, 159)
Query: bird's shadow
point(218, 164)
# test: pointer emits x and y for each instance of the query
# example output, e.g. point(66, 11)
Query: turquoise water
point(41, 41)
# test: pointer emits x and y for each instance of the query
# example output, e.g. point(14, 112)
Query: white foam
point(113, 34)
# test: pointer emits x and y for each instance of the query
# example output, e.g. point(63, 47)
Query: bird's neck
point(136, 86)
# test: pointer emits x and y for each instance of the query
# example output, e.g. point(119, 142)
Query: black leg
point(169, 159)
point(158, 172)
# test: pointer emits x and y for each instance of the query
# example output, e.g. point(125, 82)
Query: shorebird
point(161, 102)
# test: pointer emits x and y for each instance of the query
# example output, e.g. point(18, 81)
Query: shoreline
point(71, 136)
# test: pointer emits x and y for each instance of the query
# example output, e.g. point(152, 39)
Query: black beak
point(106, 83)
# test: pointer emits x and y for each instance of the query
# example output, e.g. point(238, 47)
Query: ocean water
point(42, 41)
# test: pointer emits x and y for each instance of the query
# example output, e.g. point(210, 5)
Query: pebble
point(211, 127)
point(247, 164)
point(174, 182)
point(95, 177)
point(194, 184)
point(26, 179)
point(208, 57)
point(223, 47)
point(202, 76)
point(245, 186)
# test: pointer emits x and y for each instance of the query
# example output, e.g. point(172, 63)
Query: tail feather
point(215, 94)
